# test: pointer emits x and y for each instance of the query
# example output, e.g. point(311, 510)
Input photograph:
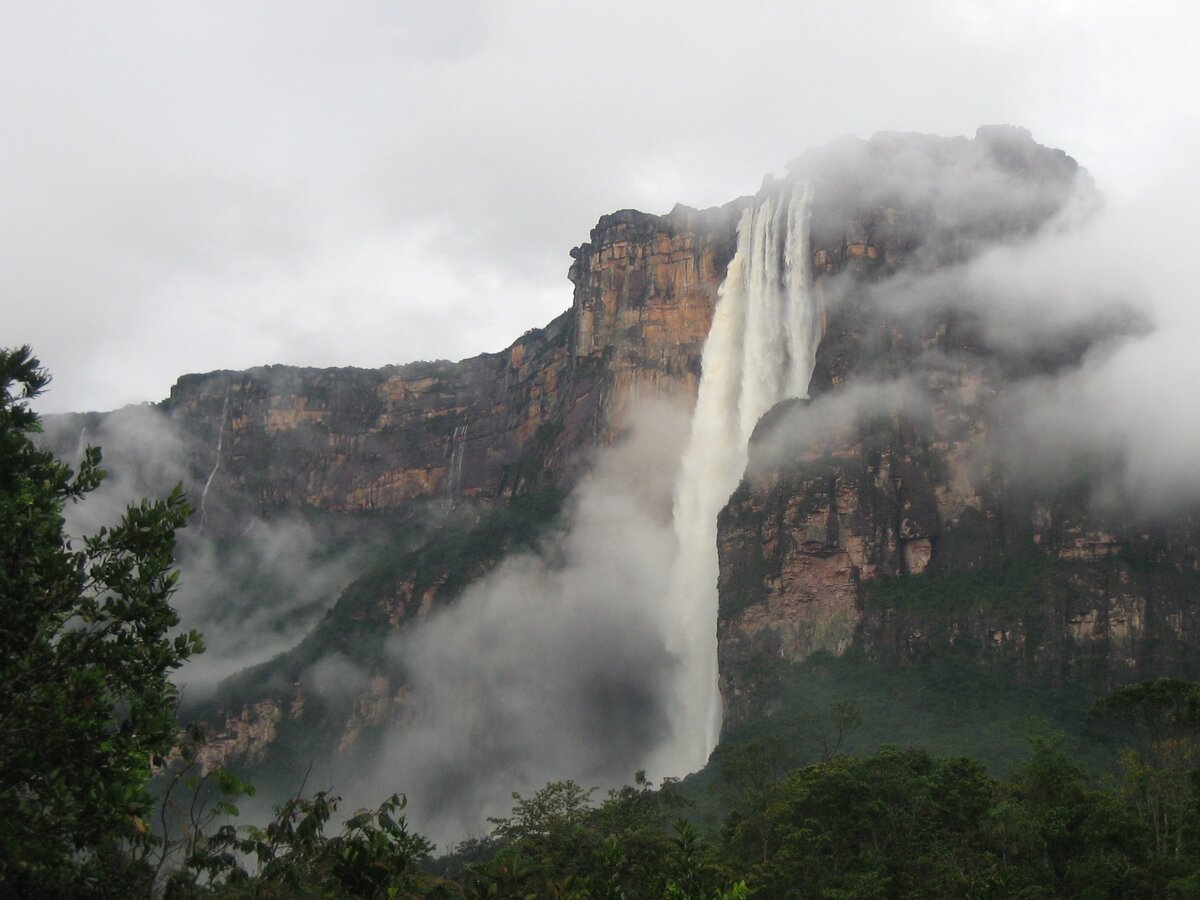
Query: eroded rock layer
point(893, 513)
point(840, 515)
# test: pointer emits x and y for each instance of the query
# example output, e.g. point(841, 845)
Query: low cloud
point(255, 597)
point(250, 597)
point(1092, 327)
point(555, 665)
point(798, 428)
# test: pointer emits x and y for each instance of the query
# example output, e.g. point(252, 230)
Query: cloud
point(1126, 417)
point(255, 597)
point(299, 183)
point(796, 429)
point(554, 666)
point(1091, 327)
point(1129, 405)
point(251, 596)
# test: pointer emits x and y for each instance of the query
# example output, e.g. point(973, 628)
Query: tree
point(86, 653)
point(376, 855)
point(899, 823)
point(1158, 722)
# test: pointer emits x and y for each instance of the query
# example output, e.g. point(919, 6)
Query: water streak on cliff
point(454, 477)
point(216, 464)
point(760, 350)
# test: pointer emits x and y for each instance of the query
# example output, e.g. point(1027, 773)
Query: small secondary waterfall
point(760, 350)
point(216, 465)
point(454, 475)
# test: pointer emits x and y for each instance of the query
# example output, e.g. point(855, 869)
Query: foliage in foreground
point(86, 655)
point(895, 823)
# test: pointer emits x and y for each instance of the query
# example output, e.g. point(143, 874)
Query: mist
point(1092, 328)
point(794, 431)
point(566, 664)
point(251, 597)
point(554, 666)
point(1132, 399)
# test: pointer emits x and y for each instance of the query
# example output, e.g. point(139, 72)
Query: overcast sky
point(187, 187)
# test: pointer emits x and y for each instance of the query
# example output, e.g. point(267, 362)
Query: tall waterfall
point(760, 350)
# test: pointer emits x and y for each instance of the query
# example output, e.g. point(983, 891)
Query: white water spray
point(760, 350)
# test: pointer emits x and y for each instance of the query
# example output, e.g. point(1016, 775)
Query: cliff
point(875, 517)
point(485, 428)
point(441, 468)
point(352, 440)
point(892, 516)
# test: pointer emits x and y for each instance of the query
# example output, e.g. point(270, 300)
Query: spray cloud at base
point(554, 666)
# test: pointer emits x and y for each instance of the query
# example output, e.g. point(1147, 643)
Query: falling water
point(216, 465)
point(454, 476)
point(760, 350)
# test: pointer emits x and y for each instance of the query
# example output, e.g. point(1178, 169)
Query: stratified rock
point(889, 522)
point(354, 440)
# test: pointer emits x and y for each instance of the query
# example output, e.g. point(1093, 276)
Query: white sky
point(186, 187)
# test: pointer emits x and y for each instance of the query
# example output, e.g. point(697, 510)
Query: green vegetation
point(895, 823)
point(374, 856)
point(947, 704)
point(815, 800)
point(1016, 584)
point(451, 556)
point(86, 703)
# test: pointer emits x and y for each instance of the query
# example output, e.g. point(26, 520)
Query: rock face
point(884, 516)
point(645, 290)
point(353, 440)
point(894, 543)
point(486, 443)
point(874, 516)
point(356, 440)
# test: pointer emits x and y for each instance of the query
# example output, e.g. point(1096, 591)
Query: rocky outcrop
point(357, 440)
point(802, 536)
point(248, 736)
point(1097, 623)
point(820, 546)
point(897, 542)
point(354, 440)
point(879, 516)
point(645, 290)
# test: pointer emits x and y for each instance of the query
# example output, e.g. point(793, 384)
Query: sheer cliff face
point(645, 289)
point(353, 440)
point(890, 469)
point(816, 543)
point(902, 464)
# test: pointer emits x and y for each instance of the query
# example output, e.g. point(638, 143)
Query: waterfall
point(760, 350)
point(454, 475)
point(216, 465)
